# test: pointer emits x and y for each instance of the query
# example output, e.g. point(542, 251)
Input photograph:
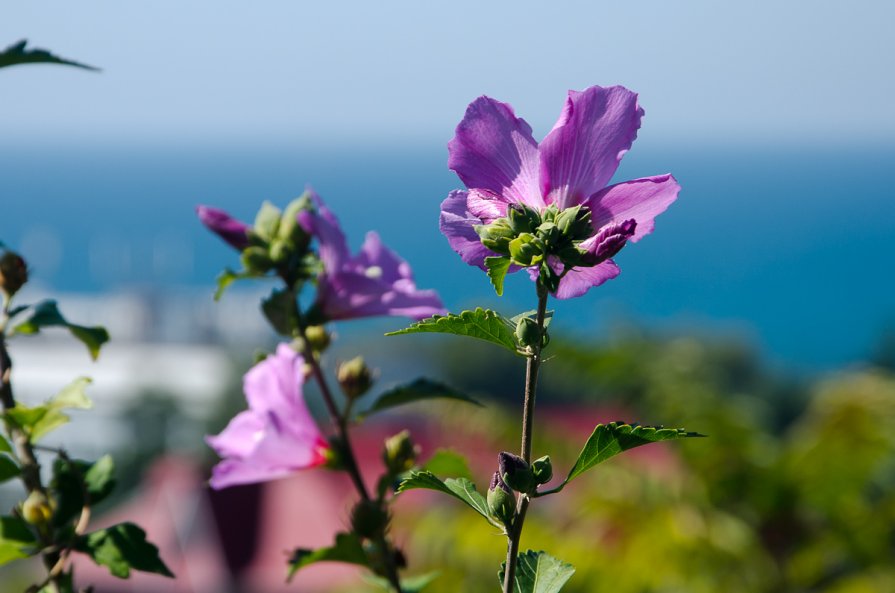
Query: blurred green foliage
point(794, 491)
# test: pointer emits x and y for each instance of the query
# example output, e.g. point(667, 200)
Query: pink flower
point(276, 436)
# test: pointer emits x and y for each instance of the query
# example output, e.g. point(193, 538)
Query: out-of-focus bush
point(794, 490)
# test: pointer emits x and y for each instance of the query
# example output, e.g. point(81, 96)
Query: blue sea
point(788, 248)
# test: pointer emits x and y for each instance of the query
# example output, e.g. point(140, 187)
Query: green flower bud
point(280, 250)
point(496, 236)
point(37, 509)
point(399, 453)
point(13, 272)
point(542, 469)
point(522, 219)
point(318, 338)
point(290, 230)
point(256, 260)
point(267, 221)
point(355, 377)
point(550, 212)
point(526, 250)
point(516, 473)
point(549, 233)
point(501, 500)
point(575, 223)
point(369, 519)
point(527, 331)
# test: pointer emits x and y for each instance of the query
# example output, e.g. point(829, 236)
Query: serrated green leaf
point(122, 548)
point(538, 572)
point(445, 462)
point(497, 271)
point(419, 390)
point(482, 324)
point(46, 314)
point(408, 585)
point(347, 549)
point(279, 310)
point(608, 440)
point(73, 396)
point(70, 480)
point(8, 469)
point(459, 488)
point(17, 53)
point(16, 539)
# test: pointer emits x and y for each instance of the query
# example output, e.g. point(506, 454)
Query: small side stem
point(532, 367)
point(340, 422)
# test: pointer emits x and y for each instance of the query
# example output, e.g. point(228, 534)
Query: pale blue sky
point(771, 72)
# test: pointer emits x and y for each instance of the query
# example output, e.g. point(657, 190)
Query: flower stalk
point(532, 368)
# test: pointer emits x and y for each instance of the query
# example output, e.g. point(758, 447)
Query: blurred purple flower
point(225, 226)
point(494, 154)
point(374, 282)
point(276, 436)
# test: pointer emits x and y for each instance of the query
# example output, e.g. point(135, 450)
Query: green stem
point(340, 422)
point(532, 366)
point(23, 448)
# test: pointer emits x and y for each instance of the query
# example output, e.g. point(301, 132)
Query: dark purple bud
point(13, 272)
point(497, 482)
point(234, 232)
point(608, 241)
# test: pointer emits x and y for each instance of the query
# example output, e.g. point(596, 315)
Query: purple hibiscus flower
point(494, 154)
point(234, 232)
point(374, 282)
point(276, 436)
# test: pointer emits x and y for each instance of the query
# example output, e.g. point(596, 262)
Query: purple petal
point(456, 223)
point(608, 241)
point(485, 205)
point(225, 226)
point(234, 472)
point(582, 151)
point(578, 281)
point(376, 258)
point(324, 225)
point(641, 199)
point(494, 150)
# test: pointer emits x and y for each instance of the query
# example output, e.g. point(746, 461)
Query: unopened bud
point(37, 509)
point(267, 221)
point(522, 219)
point(13, 272)
point(526, 250)
point(290, 230)
point(355, 377)
point(527, 331)
point(496, 236)
point(280, 250)
point(575, 223)
point(256, 260)
point(399, 453)
point(369, 519)
point(501, 500)
point(542, 469)
point(516, 472)
point(318, 338)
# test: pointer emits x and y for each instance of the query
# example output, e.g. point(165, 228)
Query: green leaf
point(608, 440)
point(73, 396)
point(347, 549)
point(63, 584)
point(419, 390)
point(40, 420)
point(18, 54)
point(459, 488)
point(5, 447)
point(46, 314)
point(8, 469)
point(538, 572)
point(122, 548)
point(408, 585)
point(445, 462)
point(279, 309)
point(70, 480)
point(16, 539)
point(483, 324)
point(497, 271)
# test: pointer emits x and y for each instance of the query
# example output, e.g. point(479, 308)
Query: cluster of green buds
point(528, 238)
point(277, 242)
point(513, 475)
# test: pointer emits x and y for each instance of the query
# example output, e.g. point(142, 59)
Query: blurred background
point(760, 312)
